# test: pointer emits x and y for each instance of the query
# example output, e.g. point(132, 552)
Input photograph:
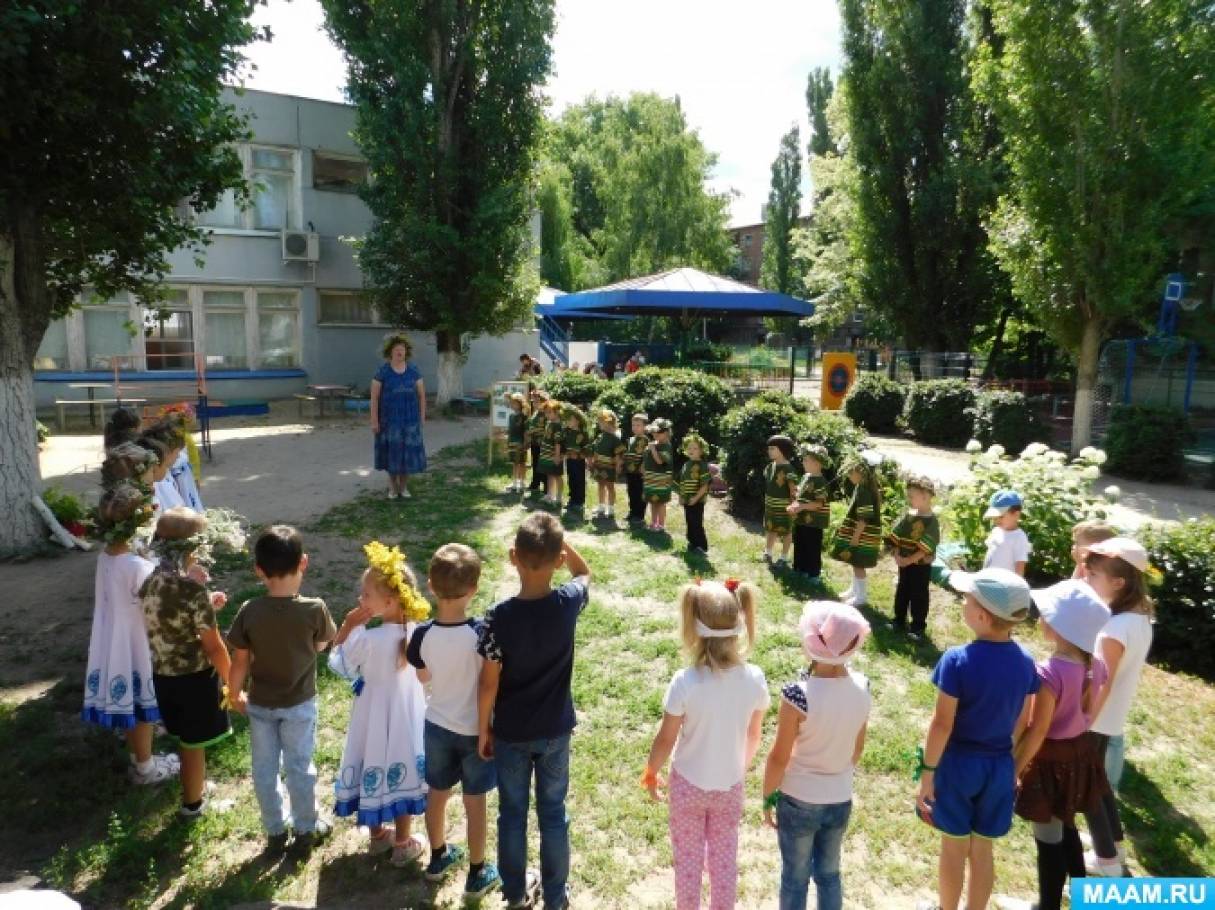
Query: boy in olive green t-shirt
point(914, 539)
point(275, 640)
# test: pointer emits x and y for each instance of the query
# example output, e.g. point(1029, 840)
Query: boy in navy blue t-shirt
point(967, 780)
point(525, 711)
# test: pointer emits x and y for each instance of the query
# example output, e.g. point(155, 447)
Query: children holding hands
point(380, 776)
point(713, 716)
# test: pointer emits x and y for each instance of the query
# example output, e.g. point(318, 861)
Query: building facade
point(275, 303)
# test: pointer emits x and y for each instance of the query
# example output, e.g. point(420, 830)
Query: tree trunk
point(997, 345)
point(451, 368)
point(1086, 383)
point(21, 530)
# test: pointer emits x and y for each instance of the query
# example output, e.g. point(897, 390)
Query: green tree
point(778, 269)
point(448, 114)
point(819, 90)
point(922, 183)
point(110, 118)
point(637, 179)
point(1108, 112)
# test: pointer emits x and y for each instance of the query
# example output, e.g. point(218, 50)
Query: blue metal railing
point(554, 340)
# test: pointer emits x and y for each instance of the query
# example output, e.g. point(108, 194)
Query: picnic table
point(324, 393)
point(91, 388)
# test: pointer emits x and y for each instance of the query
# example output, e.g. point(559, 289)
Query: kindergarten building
point(275, 305)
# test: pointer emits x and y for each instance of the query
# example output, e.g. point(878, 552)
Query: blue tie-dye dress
point(398, 446)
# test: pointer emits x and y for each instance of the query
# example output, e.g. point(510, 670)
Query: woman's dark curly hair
point(391, 341)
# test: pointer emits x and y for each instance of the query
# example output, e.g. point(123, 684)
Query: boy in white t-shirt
point(444, 652)
point(1008, 547)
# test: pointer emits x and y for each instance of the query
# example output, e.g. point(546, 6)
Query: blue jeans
point(287, 735)
point(1115, 760)
point(810, 838)
point(550, 758)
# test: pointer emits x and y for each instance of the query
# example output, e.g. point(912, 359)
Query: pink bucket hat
point(831, 632)
point(1123, 548)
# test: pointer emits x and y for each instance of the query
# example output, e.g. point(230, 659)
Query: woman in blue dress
point(398, 410)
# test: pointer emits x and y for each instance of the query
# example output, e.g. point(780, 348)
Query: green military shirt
point(915, 533)
point(635, 453)
point(608, 448)
point(658, 474)
point(176, 609)
point(812, 488)
point(535, 426)
point(776, 486)
point(575, 442)
point(553, 432)
point(693, 477)
point(516, 429)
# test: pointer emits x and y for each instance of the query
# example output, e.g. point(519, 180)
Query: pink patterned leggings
point(704, 831)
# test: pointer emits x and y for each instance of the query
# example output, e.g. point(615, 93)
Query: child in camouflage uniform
point(552, 455)
point(811, 512)
point(694, 490)
point(914, 539)
point(189, 659)
point(575, 443)
point(535, 430)
point(516, 446)
point(780, 488)
point(860, 534)
point(634, 474)
point(658, 465)
point(609, 461)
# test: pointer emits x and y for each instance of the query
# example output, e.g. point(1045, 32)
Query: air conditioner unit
point(301, 246)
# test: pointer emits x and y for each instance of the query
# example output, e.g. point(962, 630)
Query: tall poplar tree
point(110, 118)
point(1108, 110)
point(777, 271)
point(448, 97)
point(819, 89)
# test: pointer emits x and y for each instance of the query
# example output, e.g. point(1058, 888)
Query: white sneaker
point(405, 494)
point(1015, 903)
point(1098, 868)
point(164, 767)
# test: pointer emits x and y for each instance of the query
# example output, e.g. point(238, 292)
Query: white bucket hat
point(1074, 611)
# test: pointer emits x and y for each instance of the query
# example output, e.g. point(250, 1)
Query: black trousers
point(538, 479)
point(636, 487)
point(808, 550)
point(1103, 822)
point(694, 517)
point(575, 470)
point(912, 592)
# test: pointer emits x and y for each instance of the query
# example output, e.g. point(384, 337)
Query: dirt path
point(270, 471)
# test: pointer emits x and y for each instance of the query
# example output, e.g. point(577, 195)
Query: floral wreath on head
point(181, 413)
point(608, 416)
point(129, 528)
point(693, 437)
point(389, 563)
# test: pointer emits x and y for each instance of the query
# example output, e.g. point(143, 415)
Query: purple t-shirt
point(1065, 678)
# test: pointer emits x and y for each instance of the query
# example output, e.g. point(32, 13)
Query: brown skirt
point(1065, 777)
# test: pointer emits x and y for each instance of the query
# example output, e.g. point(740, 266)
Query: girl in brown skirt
point(1058, 766)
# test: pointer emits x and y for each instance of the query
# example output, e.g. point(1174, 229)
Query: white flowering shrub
point(1057, 495)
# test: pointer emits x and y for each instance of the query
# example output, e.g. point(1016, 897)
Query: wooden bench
point(62, 404)
point(473, 403)
point(301, 398)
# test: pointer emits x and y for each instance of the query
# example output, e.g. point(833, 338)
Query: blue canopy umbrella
point(685, 292)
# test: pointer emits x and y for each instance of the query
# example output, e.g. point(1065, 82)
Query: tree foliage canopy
point(110, 117)
point(778, 270)
point(449, 114)
point(819, 89)
point(636, 176)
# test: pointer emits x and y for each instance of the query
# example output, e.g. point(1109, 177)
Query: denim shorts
point(451, 758)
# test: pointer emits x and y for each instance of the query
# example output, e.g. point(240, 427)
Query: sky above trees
point(740, 72)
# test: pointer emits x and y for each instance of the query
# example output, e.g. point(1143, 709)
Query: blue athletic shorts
point(451, 758)
point(974, 794)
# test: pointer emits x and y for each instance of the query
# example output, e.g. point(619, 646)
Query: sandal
point(379, 841)
point(406, 852)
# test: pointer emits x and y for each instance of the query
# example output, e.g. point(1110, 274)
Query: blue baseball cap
point(1074, 611)
point(1003, 593)
point(1001, 502)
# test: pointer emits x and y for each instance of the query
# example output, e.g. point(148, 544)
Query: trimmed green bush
point(936, 412)
point(44, 432)
point(704, 350)
point(1147, 443)
point(776, 396)
point(689, 399)
point(575, 388)
point(1184, 637)
point(1002, 417)
point(1057, 497)
point(875, 403)
point(745, 434)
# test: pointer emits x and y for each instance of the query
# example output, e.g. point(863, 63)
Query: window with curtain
point(273, 180)
point(53, 352)
point(225, 213)
point(107, 334)
point(343, 307)
point(224, 316)
point(169, 333)
point(278, 329)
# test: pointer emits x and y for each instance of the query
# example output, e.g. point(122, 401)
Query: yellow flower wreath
point(389, 563)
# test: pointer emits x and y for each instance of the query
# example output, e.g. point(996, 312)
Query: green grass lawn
point(71, 815)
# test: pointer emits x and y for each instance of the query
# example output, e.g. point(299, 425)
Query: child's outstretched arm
point(238, 670)
point(939, 730)
point(1031, 738)
point(788, 722)
point(217, 652)
point(660, 751)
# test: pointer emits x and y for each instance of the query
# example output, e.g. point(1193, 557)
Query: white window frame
point(377, 319)
point(295, 205)
point(252, 325)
